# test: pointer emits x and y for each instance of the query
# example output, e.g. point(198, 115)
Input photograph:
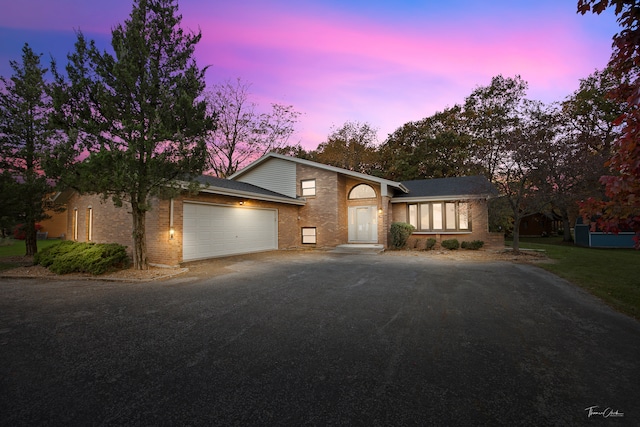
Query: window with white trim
point(308, 187)
point(75, 224)
point(362, 191)
point(440, 216)
point(309, 236)
point(89, 224)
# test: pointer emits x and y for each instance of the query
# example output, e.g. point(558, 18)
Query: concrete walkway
point(318, 339)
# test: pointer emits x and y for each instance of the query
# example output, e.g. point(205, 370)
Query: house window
point(450, 215)
point(463, 216)
point(89, 224)
point(362, 191)
point(308, 187)
point(424, 213)
point(437, 218)
point(413, 215)
point(440, 216)
point(75, 224)
point(309, 235)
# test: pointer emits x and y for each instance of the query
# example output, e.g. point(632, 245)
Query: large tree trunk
point(516, 235)
point(140, 261)
point(31, 237)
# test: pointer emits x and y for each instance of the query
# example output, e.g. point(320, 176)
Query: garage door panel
point(212, 230)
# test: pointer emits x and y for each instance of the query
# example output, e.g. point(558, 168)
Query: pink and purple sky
point(380, 62)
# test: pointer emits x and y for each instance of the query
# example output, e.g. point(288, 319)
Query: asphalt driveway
point(318, 339)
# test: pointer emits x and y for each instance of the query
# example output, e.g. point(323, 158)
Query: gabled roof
point(227, 187)
point(362, 176)
point(214, 185)
point(463, 187)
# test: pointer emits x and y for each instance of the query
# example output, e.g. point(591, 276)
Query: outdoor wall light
point(380, 211)
point(241, 203)
point(172, 232)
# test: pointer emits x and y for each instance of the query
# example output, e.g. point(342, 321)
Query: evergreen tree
point(24, 136)
point(134, 121)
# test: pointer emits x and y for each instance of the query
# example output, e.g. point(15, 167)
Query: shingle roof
point(243, 187)
point(447, 187)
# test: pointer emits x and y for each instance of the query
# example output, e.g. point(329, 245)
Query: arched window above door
point(362, 191)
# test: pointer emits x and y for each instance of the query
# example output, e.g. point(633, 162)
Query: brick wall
point(479, 226)
point(110, 223)
point(328, 209)
point(323, 210)
point(114, 225)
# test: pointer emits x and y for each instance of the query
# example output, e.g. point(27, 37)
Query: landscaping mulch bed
point(25, 267)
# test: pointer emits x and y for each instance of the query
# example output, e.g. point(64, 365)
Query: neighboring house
point(55, 225)
point(281, 202)
point(540, 224)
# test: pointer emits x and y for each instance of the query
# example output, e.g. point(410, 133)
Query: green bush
point(451, 244)
point(431, 243)
point(70, 257)
point(473, 245)
point(47, 256)
point(400, 232)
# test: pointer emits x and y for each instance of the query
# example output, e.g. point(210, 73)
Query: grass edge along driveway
point(613, 275)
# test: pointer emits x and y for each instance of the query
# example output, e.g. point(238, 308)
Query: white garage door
point(211, 231)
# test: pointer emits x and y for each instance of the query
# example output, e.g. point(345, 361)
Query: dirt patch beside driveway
point(214, 266)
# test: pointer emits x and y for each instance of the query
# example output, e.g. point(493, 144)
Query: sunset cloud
point(337, 61)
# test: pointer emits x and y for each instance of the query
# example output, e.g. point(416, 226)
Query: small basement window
point(309, 235)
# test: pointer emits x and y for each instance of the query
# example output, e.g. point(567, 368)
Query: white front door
point(363, 224)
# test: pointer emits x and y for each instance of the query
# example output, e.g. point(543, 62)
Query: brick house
point(282, 202)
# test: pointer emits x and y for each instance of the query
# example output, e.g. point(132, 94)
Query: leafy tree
point(400, 157)
point(493, 116)
point(565, 168)
point(493, 112)
point(435, 147)
point(621, 207)
point(133, 121)
point(521, 168)
point(10, 207)
point(351, 147)
point(243, 134)
point(590, 112)
point(585, 132)
point(294, 151)
point(24, 135)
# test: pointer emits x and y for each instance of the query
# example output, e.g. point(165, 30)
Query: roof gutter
point(254, 196)
point(440, 198)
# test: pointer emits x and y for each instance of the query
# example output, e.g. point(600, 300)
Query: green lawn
point(610, 274)
point(10, 248)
